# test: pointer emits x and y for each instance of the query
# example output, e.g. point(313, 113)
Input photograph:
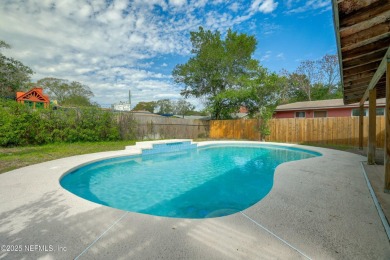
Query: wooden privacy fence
point(235, 129)
point(152, 127)
point(330, 130)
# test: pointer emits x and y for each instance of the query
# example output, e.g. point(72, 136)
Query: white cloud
point(266, 56)
point(235, 7)
point(268, 6)
point(168, 96)
point(268, 28)
point(316, 5)
point(110, 46)
point(280, 56)
point(217, 2)
point(289, 3)
point(178, 2)
point(264, 6)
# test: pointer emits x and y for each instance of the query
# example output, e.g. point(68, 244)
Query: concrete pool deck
point(318, 208)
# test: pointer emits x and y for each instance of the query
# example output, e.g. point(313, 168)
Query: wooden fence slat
point(332, 130)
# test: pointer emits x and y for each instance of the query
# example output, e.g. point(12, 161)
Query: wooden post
point(361, 117)
point(372, 127)
point(387, 130)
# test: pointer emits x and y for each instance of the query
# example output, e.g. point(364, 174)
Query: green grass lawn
point(17, 157)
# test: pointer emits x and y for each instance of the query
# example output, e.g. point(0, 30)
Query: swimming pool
point(204, 182)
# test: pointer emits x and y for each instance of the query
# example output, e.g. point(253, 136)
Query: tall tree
point(67, 93)
point(261, 90)
point(313, 80)
point(329, 67)
point(182, 107)
point(145, 106)
point(218, 65)
point(165, 106)
point(309, 74)
point(14, 75)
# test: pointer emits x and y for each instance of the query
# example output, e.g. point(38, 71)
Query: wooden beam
point(378, 74)
point(372, 57)
point(365, 55)
point(361, 123)
point(359, 81)
point(365, 24)
point(362, 44)
point(363, 81)
point(365, 13)
point(371, 127)
point(362, 86)
point(357, 43)
point(362, 68)
point(362, 75)
point(336, 22)
point(387, 129)
point(368, 48)
point(370, 33)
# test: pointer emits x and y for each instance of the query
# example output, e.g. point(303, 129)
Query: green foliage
point(256, 93)
point(14, 75)
point(183, 107)
point(321, 92)
point(197, 113)
point(145, 106)
point(313, 80)
point(265, 115)
point(165, 106)
point(219, 69)
point(67, 93)
point(180, 107)
point(127, 126)
point(21, 125)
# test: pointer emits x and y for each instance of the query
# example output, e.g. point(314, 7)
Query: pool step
point(162, 146)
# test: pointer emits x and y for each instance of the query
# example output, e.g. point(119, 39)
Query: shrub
point(21, 125)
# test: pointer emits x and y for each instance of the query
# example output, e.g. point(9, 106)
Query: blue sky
point(114, 46)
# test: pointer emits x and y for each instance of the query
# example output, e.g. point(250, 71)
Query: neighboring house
point(33, 98)
point(121, 106)
point(325, 108)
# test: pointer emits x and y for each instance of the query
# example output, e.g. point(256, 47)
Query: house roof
point(363, 39)
point(321, 104)
point(34, 94)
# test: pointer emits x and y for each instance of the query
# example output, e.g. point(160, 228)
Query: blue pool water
point(204, 182)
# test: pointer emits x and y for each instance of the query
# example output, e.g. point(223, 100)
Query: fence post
point(361, 123)
point(387, 130)
point(371, 127)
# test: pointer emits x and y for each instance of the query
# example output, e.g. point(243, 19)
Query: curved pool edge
point(33, 200)
point(136, 150)
point(82, 188)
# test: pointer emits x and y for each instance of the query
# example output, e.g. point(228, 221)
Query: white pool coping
point(318, 208)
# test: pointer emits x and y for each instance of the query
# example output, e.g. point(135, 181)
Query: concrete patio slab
point(230, 237)
point(318, 208)
point(376, 175)
point(324, 209)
